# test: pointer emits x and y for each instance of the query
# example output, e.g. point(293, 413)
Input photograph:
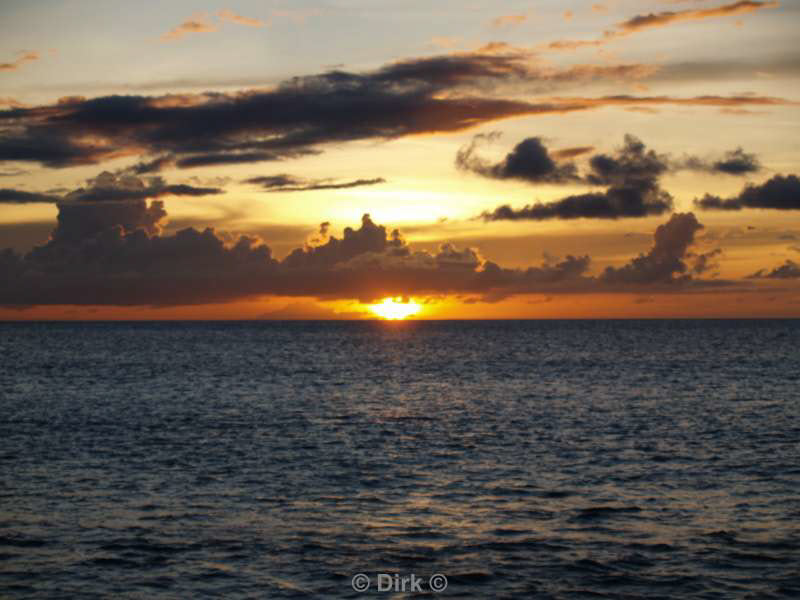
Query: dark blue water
point(585, 459)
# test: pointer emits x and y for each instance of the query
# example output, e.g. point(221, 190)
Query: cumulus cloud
point(788, 270)
point(115, 253)
point(664, 263)
point(529, 161)
point(735, 162)
point(632, 176)
point(433, 95)
point(291, 183)
point(779, 193)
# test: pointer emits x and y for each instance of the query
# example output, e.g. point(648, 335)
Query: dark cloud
point(788, 270)
point(632, 176)
point(572, 152)
point(780, 193)
point(110, 187)
point(439, 94)
point(115, 253)
point(529, 161)
point(630, 163)
point(640, 22)
point(151, 166)
point(734, 162)
point(12, 196)
point(290, 183)
point(664, 263)
point(704, 262)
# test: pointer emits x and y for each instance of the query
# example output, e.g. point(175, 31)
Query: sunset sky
point(548, 159)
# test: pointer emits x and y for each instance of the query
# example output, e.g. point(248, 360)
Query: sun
point(395, 308)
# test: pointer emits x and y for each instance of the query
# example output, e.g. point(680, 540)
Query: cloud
point(574, 44)
point(290, 183)
point(435, 95)
point(664, 263)
point(631, 174)
point(572, 152)
point(735, 162)
point(115, 253)
point(780, 193)
point(231, 17)
point(529, 161)
point(704, 261)
point(12, 196)
point(22, 58)
point(508, 20)
point(111, 187)
point(641, 22)
point(197, 24)
point(788, 270)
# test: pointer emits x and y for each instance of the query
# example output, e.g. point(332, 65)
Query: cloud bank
point(114, 252)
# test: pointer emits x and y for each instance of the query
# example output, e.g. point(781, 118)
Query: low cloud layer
point(115, 252)
point(778, 193)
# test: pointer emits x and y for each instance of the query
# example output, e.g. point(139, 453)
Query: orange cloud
point(509, 20)
point(21, 59)
point(232, 17)
point(198, 24)
point(640, 22)
point(574, 44)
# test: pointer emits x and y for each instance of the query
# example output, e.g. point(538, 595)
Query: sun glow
point(395, 308)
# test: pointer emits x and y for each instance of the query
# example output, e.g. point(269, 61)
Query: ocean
point(483, 459)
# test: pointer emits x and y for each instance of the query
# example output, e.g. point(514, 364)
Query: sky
point(309, 159)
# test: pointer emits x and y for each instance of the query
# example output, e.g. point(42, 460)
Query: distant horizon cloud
point(115, 253)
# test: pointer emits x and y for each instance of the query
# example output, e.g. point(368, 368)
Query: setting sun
point(395, 309)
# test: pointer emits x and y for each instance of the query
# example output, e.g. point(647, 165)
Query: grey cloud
point(788, 270)
point(529, 161)
point(632, 176)
point(664, 263)
point(779, 192)
point(290, 183)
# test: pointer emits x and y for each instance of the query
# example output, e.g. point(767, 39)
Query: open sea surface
point(520, 459)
